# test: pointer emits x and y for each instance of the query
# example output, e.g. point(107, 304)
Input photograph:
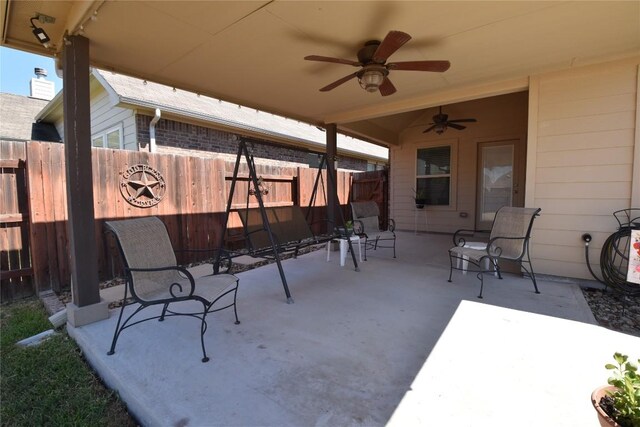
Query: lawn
point(49, 384)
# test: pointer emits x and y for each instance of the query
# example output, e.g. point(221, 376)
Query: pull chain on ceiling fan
point(374, 69)
point(441, 122)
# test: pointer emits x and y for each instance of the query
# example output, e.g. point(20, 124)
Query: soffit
point(251, 53)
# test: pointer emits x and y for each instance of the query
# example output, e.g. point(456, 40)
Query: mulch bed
point(614, 311)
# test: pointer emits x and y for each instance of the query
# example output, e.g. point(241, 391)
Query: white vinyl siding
point(104, 116)
point(585, 122)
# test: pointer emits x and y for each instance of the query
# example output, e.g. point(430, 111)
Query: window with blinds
point(433, 175)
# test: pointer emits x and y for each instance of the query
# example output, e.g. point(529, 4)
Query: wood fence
point(373, 185)
point(16, 274)
point(193, 206)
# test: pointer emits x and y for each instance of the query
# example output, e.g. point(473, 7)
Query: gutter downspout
point(152, 131)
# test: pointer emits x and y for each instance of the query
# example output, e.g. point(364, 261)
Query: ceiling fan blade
point(387, 88)
point(338, 82)
point(392, 42)
point(429, 129)
point(463, 121)
point(435, 66)
point(333, 60)
point(455, 126)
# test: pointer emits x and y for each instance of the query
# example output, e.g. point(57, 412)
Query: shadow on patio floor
point(345, 353)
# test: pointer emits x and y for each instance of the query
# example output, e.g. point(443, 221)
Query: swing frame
point(277, 242)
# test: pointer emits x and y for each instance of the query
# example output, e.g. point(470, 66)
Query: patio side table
point(480, 246)
point(344, 248)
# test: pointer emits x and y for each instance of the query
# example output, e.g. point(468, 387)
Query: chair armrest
point(172, 286)
point(461, 241)
point(358, 228)
point(391, 225)
point(224, 255)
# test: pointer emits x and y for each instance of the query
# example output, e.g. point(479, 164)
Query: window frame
point(103, 134)
point(452, 175)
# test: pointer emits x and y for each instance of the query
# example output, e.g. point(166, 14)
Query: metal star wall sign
point(142, 186)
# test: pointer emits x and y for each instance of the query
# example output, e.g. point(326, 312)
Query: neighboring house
point(133, 114)
point(17, 119)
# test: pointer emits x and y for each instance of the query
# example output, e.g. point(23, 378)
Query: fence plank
point(59, 202)
point(38, 231)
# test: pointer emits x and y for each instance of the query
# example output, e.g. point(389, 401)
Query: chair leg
point(366, 243)
point(496, 267)
point(450, 266)
point(235, 310)
point(481, 277)
point(116, 333)
point(394, 247)
point(530, 273)
point(203, 329)
point(120, 328)
point(164, 312)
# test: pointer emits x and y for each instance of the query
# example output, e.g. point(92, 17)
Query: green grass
point(49, 384)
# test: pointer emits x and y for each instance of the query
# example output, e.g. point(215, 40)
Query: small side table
point(344, 248)
point(480, 246)
point(416, 213)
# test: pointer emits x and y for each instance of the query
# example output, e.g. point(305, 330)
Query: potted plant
point(420, 198)
point(618, 404)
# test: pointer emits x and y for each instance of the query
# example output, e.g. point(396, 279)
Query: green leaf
point(615, 382)
point(620, 358)
point(610, 366)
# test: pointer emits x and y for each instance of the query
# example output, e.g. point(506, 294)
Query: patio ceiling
point(251, 52)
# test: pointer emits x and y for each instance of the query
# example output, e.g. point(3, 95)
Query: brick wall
point(179, 135)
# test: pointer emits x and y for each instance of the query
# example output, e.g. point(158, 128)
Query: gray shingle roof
point(138, 92)
point(17, 119)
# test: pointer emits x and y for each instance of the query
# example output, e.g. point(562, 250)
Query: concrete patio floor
point(359, 348)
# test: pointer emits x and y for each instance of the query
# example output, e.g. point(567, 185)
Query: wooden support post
point(77, 144)
point(332, 156)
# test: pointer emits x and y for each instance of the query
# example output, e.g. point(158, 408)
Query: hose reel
point(614, 257)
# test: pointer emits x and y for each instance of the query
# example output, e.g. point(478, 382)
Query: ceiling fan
point(374, 69)
point(441, 122)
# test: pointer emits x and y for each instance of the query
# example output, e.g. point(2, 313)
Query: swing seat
point(289, 227)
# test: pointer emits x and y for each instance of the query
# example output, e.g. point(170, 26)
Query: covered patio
point(392, 342)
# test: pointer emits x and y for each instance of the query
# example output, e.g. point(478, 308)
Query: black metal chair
point(154, 278)
point(508, 240)
point(366, 224)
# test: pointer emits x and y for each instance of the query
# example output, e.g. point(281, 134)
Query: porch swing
point(270, 231)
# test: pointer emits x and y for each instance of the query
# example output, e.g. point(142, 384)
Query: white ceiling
point(251, 52)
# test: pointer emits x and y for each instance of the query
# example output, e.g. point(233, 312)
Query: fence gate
point(16, 272)
point(372, 185)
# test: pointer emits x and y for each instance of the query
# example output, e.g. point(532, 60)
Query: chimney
point(42, 88)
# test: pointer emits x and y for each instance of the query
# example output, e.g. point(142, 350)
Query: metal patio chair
point(366, 224)
point(508, 240)
point(154, 278)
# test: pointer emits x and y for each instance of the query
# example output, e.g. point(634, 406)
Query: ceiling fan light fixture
point(371, 79)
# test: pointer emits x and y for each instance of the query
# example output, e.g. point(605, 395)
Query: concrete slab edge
point(135, 406)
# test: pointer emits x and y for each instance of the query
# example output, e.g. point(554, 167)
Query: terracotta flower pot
point(599, 393)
